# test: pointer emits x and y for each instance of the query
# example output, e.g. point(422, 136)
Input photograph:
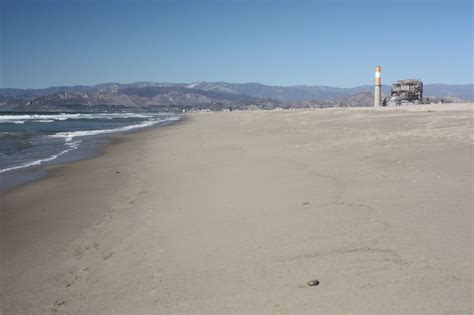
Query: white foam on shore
point(74, 144)
point(65, 116)
point(45, 120)
point(68, 136)
point(71, 146)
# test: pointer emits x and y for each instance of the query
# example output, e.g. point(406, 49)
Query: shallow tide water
point(30, 140)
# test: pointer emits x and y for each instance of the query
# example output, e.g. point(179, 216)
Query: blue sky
point(336, 43)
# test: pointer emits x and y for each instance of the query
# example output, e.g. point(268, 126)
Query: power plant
point(406, 91)
point(403, 91)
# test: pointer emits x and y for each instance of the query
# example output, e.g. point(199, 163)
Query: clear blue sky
point(338, 43)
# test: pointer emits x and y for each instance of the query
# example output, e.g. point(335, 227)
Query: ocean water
point(32, 139)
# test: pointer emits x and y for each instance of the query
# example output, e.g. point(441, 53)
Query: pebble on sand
point(313, 283)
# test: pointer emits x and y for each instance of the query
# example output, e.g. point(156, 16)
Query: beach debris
point(60, 303)
point(313, 283)
point(117, 172)
point(305, 203)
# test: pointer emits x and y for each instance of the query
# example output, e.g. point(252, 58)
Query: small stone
point(305, 203)
point(117, 172)
point(313, 283)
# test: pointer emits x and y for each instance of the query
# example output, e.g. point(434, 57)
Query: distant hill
point(320, 92)
point(462, 91)
point(284, 93)
point(214, 95)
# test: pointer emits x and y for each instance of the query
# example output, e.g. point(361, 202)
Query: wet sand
point(236, 212)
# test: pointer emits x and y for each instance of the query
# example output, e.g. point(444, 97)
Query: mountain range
point(211, 95)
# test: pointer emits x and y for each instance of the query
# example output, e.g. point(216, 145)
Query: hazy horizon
point(216, 82)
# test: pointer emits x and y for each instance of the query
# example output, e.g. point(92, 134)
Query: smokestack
point(378, 87)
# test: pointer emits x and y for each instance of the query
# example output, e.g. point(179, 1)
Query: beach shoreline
point(224, 212)
point(89, 147)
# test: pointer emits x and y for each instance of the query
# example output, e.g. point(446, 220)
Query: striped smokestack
point(378, 87)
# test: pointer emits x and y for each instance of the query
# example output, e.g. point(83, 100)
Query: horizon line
point(188, 83)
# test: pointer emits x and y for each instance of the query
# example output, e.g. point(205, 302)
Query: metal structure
point(406, 91)
point(378, 87)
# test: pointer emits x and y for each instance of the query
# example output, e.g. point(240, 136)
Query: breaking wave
point(72, 145)
point(65, 116)
point(69, 137)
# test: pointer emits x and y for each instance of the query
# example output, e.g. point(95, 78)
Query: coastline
point(226, 212)
point(56, 174)
point(89, 148)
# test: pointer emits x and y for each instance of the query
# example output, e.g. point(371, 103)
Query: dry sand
point(236, 212)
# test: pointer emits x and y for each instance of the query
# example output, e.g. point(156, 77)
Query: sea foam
point(69, 137)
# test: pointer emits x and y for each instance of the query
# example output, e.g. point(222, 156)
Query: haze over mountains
point(212, 95)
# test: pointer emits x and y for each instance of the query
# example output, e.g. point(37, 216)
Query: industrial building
point(403, 91)
point(406, 91)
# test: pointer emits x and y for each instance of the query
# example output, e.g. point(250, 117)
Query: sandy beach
point(234, 212)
